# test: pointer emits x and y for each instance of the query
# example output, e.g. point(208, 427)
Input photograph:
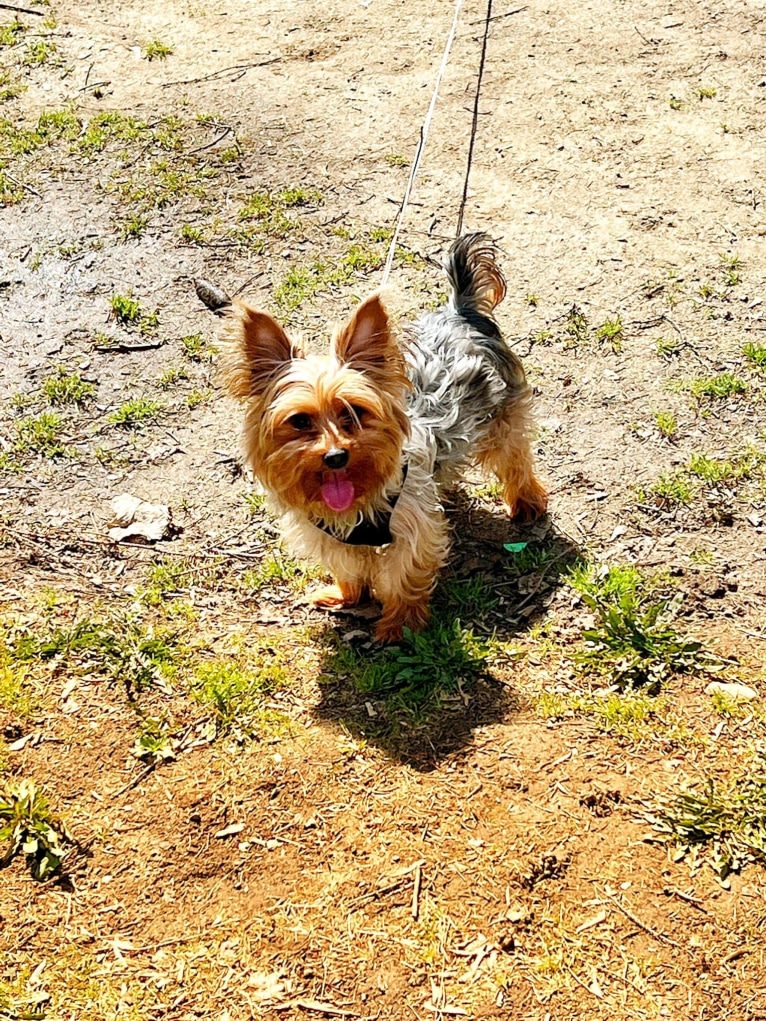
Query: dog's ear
point(366, 342)
point(256, 348)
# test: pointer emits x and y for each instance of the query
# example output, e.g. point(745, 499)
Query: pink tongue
point(338, 493)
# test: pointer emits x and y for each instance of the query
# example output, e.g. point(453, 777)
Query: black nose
point(336, 458)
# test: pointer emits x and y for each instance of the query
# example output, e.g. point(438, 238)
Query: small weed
point(133, 227)
point(41, 435)
point(633, 642)
point(610, 333)
point(192, 235)
point(256, 503)
point(267, 209)
point(667, 424)
point(719, 387)
point(532, 300)
point(156, 50)
point(721, 822)
point(14, 691)
point(667, 347)
point(27, 826)
point(135, 413)
point(153, 744)
point(702, 557)
point(167, 578)
point(9, 88)
point(710, 470)
point(543, 337)
point(576, 328)
point(196, 397)
point(111, 126)
point(706, 291)
point(631, 715)
point(730, 265)
point(67, 388)
point(675, 103)
point(196, 349)
point(706, 92)
point(756, 356)
point(171, 377)
point(394, 159)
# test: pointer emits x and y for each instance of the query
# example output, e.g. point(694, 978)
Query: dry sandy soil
point(268, 816)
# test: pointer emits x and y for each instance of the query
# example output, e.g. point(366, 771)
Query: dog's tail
point(471, 266)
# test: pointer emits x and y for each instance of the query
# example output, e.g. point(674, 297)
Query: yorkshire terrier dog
point(355, 449)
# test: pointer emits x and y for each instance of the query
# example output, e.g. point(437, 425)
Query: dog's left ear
point(365, 342)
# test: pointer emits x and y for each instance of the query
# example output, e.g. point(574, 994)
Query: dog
point(356, 448)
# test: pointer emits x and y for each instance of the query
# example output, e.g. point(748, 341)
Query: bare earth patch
point(216, 802)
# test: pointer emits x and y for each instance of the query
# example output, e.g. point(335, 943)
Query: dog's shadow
point(422, 699)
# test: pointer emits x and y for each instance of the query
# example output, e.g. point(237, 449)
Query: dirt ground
point(259, 826)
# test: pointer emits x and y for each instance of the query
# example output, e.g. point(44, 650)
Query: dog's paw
point(336, 597)
point(529, 504)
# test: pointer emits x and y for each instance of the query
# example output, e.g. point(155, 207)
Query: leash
point(421, 144)
point(427, 125)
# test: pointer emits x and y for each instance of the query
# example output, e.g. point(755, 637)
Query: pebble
point(739, 691)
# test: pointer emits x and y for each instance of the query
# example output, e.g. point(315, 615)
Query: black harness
point(370, 532)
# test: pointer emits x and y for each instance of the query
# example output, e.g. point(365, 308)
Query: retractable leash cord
point(427, 125)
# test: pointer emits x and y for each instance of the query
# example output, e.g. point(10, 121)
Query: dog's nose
point(336, 458)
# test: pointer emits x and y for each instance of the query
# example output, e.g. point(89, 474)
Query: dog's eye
point(301, 422)
point(352, 417)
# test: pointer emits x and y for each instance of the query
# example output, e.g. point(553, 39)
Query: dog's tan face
point(323, 434)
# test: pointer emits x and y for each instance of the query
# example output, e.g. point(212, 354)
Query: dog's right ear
point(256, 348)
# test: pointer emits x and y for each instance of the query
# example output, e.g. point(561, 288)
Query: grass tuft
point(27, 827)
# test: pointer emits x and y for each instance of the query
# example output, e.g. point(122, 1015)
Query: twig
point(22, 10)
point(136, 780)
point(508, 14)
point(127, 348)
point(21, 184)
point(209, 145)
point(415, 908)
point(241, 68)
point(660, 936)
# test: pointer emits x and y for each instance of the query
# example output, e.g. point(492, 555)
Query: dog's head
point(323, 434)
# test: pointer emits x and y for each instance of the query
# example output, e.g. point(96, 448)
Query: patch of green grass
point(15, 696)
point(670, 490)
point(634, 641)
point(718, 822)
point(237, 695)
point(277, 569)
point(420, 670)
point(468, 597)
point(720, 387)
point(41, 434)
point(156, 50)
point(303, 282)
point(27, 826)
point(119, 648)
point(731, 265)
point(711, 470)
point(169, 577)
point(10, 88)
point(268, 209)
point(610, 333)
point(128, 312)
point(110, 126)
point(38, 52)
point(159, 184)
point(135, 413)
point(67, 388)
point(631, 715)
point(756, 356)
point(11, 33)
point(667, 424)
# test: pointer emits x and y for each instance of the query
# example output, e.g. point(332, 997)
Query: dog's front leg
point(408, 570)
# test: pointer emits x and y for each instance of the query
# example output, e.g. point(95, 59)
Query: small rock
point(136, 519)
point(733, 689)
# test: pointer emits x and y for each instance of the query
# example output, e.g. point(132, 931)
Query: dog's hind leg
point(506, 451)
